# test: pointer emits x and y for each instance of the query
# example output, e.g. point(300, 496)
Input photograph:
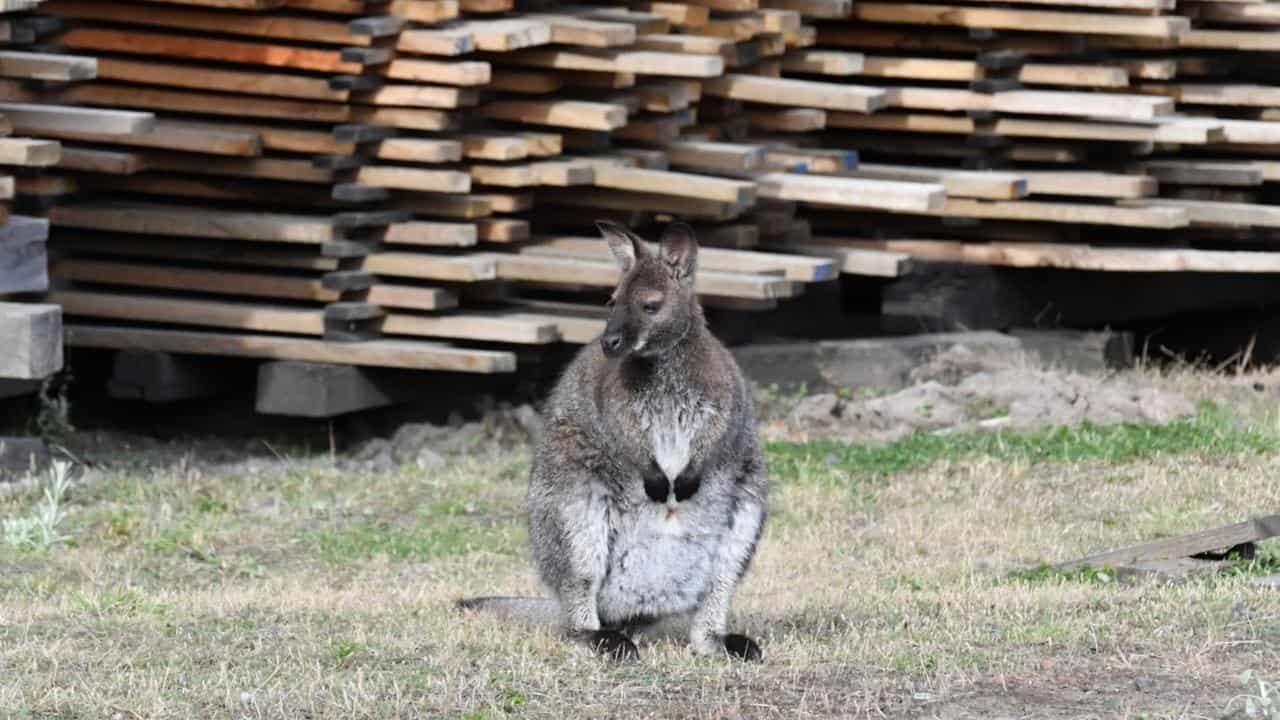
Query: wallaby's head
point(654, 306)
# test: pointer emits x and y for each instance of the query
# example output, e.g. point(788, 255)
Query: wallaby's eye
point(651, 308)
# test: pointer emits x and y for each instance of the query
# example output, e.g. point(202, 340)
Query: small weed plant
point(41, 529)
point(1261, 700)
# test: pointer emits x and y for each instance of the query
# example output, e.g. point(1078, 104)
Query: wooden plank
point(1073, 256)
point(1220, 214)
point(569, 30)
point(283, 27)
point(195, 137)
point(733, 192)
point(31, 118)
point(474, 326)
point(230, 81)
point(375, 353)
point(27, 152)
point(193, 48)
point(465, 73)
point(1151, 217)
point(505, 35)
point(781, 91)
point(459, 268)
point(23, 255)
point(559, 113)
point(411, 178)
point(1026, 20)
point(640, 62)
point(434, 234)
point(46, 66)
point(1203, 172)
point(205, 313)
point(824, 9)
point(445, 41)
point(234, 105)
point(527, 268)
point(33, 340)
point(1086, 183)
point(1221, 538)
point(219, 282)
point(988, 184)
point(792, 267)
point(158, 219)
point(716, 157)
point(855, 261)
point(419, 150)
point(853, 192)
point(794, 120)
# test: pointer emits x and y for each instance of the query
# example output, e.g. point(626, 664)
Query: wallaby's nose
point(611, 342)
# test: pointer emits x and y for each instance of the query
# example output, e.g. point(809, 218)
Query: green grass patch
point(367, 540)
point(1046, 573)
point(1211, 432)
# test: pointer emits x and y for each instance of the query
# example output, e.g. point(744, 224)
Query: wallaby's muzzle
point(612, 344)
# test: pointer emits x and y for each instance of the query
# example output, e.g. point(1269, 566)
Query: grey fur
point(666, 403)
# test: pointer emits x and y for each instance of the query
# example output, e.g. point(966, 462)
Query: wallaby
point(648, 488)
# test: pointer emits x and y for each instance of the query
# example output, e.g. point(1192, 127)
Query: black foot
point(743, 648)
point(616, 646)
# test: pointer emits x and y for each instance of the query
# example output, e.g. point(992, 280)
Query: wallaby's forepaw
point(614, 645)
point(743, 648)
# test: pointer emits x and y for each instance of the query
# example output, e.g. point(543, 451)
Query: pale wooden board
point(474, 326)
point(376, 353)
point(853, 192)
point(804, 93)
point(1030, 20)
point(184, 221)
point(1072, 256)
point(30, 118)
point(46, 66)
point(204, 138)
point(798, 269)
point(1220, 538)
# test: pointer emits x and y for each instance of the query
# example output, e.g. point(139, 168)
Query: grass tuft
point(41, 529)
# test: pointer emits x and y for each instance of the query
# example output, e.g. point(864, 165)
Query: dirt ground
point(899, 575)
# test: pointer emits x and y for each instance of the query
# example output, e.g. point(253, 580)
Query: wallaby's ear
point(680, 251)
point(624, 244)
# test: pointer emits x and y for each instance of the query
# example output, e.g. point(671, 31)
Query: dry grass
point(304, 591)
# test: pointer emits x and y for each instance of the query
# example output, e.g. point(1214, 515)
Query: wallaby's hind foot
point(613, 645)
point(743, 648)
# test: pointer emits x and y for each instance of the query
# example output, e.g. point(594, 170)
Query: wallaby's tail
point(529, 610)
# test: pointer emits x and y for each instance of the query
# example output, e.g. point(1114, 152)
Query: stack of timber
point(425, 174)
point(358, 171)
point(1106, 135)
point(31, 331)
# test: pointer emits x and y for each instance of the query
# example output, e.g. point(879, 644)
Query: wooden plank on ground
point(1221, 538)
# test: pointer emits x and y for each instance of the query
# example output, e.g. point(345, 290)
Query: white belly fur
point(659, 564)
